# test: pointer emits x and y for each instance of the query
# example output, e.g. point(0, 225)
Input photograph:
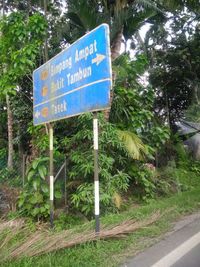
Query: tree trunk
point(46, 44)
point(195, 92)
point(10, 134)
point(167, 109)
point(3, 8)
point(115, 52)
point(20, 149)
point(116, 45)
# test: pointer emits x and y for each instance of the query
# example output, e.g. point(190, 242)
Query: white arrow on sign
point(98, 59)
point(37, 114)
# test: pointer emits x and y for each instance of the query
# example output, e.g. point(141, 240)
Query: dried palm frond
point(42, 242)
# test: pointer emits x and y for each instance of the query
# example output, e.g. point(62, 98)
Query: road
point(180, 248)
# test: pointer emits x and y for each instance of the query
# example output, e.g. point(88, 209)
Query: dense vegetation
point(156, 83)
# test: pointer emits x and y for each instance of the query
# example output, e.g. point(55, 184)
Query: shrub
point(34, 199)
point(142, 178)
point(112, 159)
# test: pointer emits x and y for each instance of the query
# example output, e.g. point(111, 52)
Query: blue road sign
point(75, 81)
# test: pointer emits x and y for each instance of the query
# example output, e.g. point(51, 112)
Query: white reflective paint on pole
point(51, 187)
point(96, 193)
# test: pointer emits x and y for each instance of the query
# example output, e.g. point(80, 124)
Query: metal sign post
point(96, 174)
point(51, 180)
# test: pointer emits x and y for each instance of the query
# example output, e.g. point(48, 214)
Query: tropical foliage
point(155, 83)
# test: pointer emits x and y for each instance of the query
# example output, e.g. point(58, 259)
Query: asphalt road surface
point(191, 259)
point(180, 248)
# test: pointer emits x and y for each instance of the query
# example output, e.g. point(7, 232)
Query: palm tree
point(125, 17)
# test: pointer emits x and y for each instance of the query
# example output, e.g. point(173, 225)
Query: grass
point(112, 252)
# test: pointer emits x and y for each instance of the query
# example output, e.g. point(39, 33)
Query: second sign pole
point(51, 180)
point(96, 174)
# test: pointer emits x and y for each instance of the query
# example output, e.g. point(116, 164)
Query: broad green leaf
point(35, 212)
point(33, 199)
point(42, 209)
point(42, 171)
point(58, 194)
point(39, 198)
point(36, 184)
point(35, 163)
point(30, 175)
point(47, 206)
point(21, 202)
point(44, 188)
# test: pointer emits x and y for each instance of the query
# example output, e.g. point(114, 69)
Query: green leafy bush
point(66, 221)
point(173, 178)
point(143, 180)
point(83, 198)
point(112, 158)
point(34, 199)
point(11, 177)
point(183, 158)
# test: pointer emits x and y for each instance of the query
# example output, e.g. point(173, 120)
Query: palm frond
point(117, 199)
point(148, 4)
point(134, 23)
point(83, 14)
point(133, 144)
